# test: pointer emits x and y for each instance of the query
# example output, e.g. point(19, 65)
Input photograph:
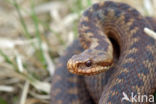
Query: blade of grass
point(8, 60)
point(36, 23)
point(26, 32)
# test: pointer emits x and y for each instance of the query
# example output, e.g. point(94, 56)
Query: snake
point(112, 59)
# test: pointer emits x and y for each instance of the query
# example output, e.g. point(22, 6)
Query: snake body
point(131, 67)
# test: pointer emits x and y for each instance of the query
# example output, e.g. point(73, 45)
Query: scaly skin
point(134, 70)
point(68, 88)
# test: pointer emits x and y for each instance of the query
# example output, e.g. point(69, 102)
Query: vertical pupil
point(88, 63)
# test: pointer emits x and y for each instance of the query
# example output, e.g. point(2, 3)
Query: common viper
point(119, 58)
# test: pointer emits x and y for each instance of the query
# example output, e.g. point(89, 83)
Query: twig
point(150, 32)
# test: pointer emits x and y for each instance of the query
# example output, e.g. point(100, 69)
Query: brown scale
point(118, 57)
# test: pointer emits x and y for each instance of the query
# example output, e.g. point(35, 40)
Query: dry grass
point(33, 34)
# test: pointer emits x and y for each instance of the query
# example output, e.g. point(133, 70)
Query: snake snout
point(72, 64)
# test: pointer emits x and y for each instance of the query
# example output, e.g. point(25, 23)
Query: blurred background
point(33, 35)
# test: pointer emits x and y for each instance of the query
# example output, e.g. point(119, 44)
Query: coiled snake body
point(129, 68)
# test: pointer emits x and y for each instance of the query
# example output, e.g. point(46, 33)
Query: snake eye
point(88, 63)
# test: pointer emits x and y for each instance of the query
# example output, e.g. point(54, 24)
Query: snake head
point(90, 62)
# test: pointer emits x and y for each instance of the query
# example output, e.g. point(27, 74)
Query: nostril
point(88, 63)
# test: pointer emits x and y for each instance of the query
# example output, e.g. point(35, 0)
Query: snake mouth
point(89, 71)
